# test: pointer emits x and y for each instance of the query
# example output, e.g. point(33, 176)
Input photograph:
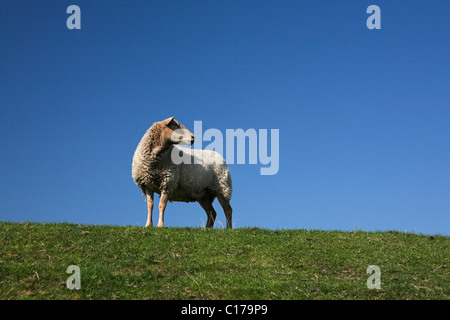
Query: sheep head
point(174, 132)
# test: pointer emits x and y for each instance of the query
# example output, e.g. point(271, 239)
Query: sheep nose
point(192, 139)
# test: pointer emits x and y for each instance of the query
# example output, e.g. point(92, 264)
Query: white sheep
point(202, 179)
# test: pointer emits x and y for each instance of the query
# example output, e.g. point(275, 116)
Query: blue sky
point(364, 115)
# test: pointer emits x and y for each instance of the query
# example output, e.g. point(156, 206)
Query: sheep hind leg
point(227, 210)
point(210, 212)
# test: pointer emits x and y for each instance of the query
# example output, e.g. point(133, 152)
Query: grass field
point(196, 263)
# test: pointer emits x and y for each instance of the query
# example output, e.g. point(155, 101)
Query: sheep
point(201, 180)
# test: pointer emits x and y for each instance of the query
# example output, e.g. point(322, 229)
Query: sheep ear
point(168, 121)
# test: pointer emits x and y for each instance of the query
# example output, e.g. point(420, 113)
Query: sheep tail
point(226, 186)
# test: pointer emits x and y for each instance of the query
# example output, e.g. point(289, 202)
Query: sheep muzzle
point(182, 136)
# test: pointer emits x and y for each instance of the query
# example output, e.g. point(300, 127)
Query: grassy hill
point(195, 263)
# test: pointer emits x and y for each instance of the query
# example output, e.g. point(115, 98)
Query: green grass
point(197, 263)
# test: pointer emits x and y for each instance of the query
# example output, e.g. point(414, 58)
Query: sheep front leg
point(162, 207)
point(150, 209)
